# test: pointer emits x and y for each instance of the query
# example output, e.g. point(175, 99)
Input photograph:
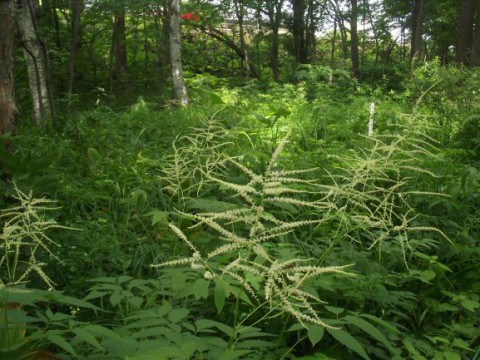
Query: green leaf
point(315, 333)
point(87, 337)
point(251, 344)
point(203, 324)
point(296, 327)
point(411, 349)
point(120, 346)
point(470, 304)
point(177, 315)
point(116, 298)
point(219, 295)
point(334, 310)
point(200, 289)
point(158, 216)
point(462, 344)
point(349, 341)
point(382, 323)
point(450, 355)
point(101, 330)
point(427, 275)
point(233, 354)
point(371, 330)
point(61, 342)
point(136, 301)
point(210, 205)
point(164, 353)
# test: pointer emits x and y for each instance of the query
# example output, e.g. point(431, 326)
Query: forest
point(240, 179)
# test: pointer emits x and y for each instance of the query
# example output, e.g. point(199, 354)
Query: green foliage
point(258, 228)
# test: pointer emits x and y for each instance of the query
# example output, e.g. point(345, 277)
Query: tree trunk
point(220, 36)
point(465, 31)
point(120, 42)
point(165, 41)
point(36, 58)
point(334, 40)
point(77, 6)
point(354, 39)
point(341, 28)
point(274, 13)
point(417, 29)
point(238, 4)
point(475, 58)
point(314, 15)
point(8, 108)
point(179, 88)
point(299, 31)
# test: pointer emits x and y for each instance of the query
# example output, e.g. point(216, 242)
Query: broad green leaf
point(177, 315)
point(200, 289)
point(233, 354)
point(296, 327)
point(158, 216)
point(462, 344)
point(146, 322)
point(370, 329)
point(219, 295)
point(116, 298)
point(315, 333)
point(101, 330)
point(349, 341)
point(450, 355)
point(120, 346)
point(61, 342)
point(470, 305)
point(252, 344)
point(87, 337)
point(164, 353)
point(95, 294)
point(203, 324)
point(381, 322)
point(69, 300)
point(152, 332)
point(334, 310)
point(136, 301)
point(427, 275)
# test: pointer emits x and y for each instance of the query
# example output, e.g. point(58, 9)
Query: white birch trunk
point(36, 63)
point(179, 89)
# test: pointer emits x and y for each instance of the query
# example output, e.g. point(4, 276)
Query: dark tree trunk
point(417, 29)
point(465, 31)
point(120, 42)
point(475, 58)
point(77, 6)
point(354, 39)
point(220, 36)
point(314, 14)
point(8, 107)
point(299, 31)
point(341, 28)
point(274, 13)
point(239, 10)
point(334, 40)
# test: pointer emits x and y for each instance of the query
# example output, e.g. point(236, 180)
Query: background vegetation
point(261, 221)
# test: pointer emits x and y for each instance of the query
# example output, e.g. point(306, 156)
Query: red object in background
point(189, 16)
